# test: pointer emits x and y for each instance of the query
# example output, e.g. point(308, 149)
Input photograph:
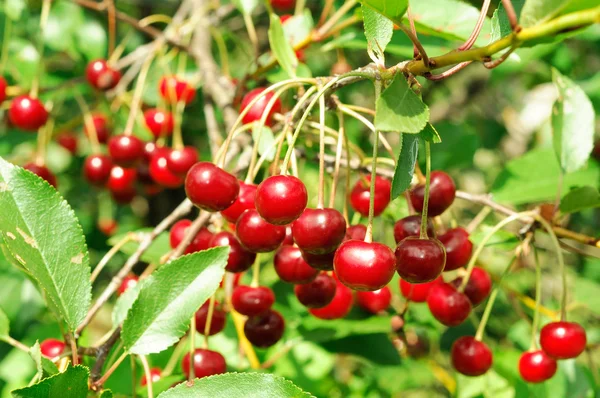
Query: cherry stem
point(348, 110)
point(369, 233)
point(112, 26)
point(110, 254)
point(43, 138)
point(321, 196)
point(137, 94)
point(423, 234)
point(277, 144)
point(192, 349)
point(88, 121)
point(325, 12)
point(510, 14)
point(449, 72)
point(300, 4)
point(146, 367)
point(222, 49)
point(5, 42)
point(416, 43)
point(478, 219)
point(338, 160)
point(15, 343)
point(251, 32)
point(110, 370)
point(35, 85)
point(347, 187)
point(73, 343)
point(174, 359)
point(256, 272)
point(475, 34)
point(133, 376)
point(334, 18)
point(538, 300)
point(411, 22)
point(178, 121)
point(238, 322)
point(209, 317)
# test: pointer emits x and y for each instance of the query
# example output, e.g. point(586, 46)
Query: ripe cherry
point(283, 4)
point(101, 126)
point(339, 307)
point(563, 340)
point(239, 258)
point(107, 226)
point(471, 357)
point(411, 226)
point(375, 301)
point(478, 287)
point(206, 363)
point(458, 248)
point(218, 319)
point(27, 113)
point(291, 267)
point(252, 301)
point(264, 330)
point(281, 199)
point(319, 231)
point(536, 366)
point(420, 260)
point(125, 150)
point(159, 122)
point(441, 194)
point(101, 76)
point(3, 85)
point(97, 169)
point(174, 90)
point(244, 201)
point(43, 172)
point(128, 282)
point(356, 232)
point(323, 262)
point(365, 266)
point(418, 292)
point(124, 197)
point(155, 374)
point(68, 141)
point(211, 188)
point(255, 113)
point(180, 161)
point(161, 173)
point(52, 348)
point(318, 293)
point(257, 235)
point(200, 242)
point(360, 195)
point(448, 305)
point(121, 179)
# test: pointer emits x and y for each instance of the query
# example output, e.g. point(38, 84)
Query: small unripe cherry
point(375, 301)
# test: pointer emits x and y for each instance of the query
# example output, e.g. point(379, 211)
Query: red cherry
point(323, 262)
point(52, 348)
point(217, 322)
point(458, 248)
point(257, 235)
point(264, 330)
point(478, 287)
point(180, 161)
point(471, 357)
point(441, 194)
point(97, 169)
point(155, 374)
point(244, 201)
point(200, 242)
point(252, 301)
point(563, 340)
point(42, 172)
point(536, 366)
point(101, 127)
point(255, 113)
point(128, 282)
point(160, 172)
point(151, 149)
point(27, 113)
point(174, 90)
point(281, 199)
point(239, 258)
point(360, 195)
point(448, 305)
point(411, 226)
point(125, 150)
point(356, 232)
point(319, 231)
point(283, 4)
point(339, 307)
point(420, 260)
point(123, 197)
point(68, 141)
point(284, 18)
point(418, 292)
point(3, 85)
point(365, 266)
point(206, 363)
point(101, 76)
point(121, 179)
point(375, 301)
point(107, 226)
point(210, 187)
point(318, 293)
point(159, 122)
point(289, 236)
point(291, 267)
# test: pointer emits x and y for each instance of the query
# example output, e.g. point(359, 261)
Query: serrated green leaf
point(399, 109)
point(124, 303)
point(162, 384)
point(319, 330)
point(573, 124)
point(405, 166)
point(245, 6)
point(281, 47)
point(72, 383)
point(537, 11)
point(45, 367)
point(580, 199)
point(429, 133)
point(393, 10)
point(14, 8)
point(41, 231)
point(500, 23)
point(228, 385)
point(169, 298)
point(157, 249)
point(378, 31)
point(298, 27)
point(267, 142)
point(4, 324)
point(64, 20)
point(106, 394)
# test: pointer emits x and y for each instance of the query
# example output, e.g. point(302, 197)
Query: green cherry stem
point(369, 233)
point(338, 160)
point(35, 85)
point(178, 121)
point(5, 42)
point(538, 300)
point(149, 382)
point(423, 234)
point(192, 346)
point(321, 195)
point(137, 94)
point(209, 316)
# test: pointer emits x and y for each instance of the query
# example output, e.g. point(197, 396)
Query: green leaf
point(169, 298)
point(247, 385)
point(72, 383)
point(124, 303)
point(405, 167)
point(4, 325)
point(281, 47)
point(573, 124)
point(41, 231)
point(45, 367)
point(245, 6)
point(399, 109)
point(298, 27)
point(537, 11)
point(319, 330)
point(378, 30)
point(500, 23)
point(158, 248)
point(267, 142)
point(14, 8)
point(64, 20)
point(393, 10)
point(91, 40)
point(106, 394)
point(429, 133)
point(580, 199)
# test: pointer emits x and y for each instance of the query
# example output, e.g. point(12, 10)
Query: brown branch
point(102, 354)
point(511, 15)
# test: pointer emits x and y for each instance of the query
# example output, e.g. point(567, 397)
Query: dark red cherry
point(239, 258)
point(411, 226)
point(418, 292)
point(291, 267)
point(217, 322)
point(97, 169)
point(478, 287)
point(42, 172)
point(319, 231)
point(124, 197)
point(257, 235)
point(252, 301)
point(458, 248)
point(365, 266)
point(471, 357)
point(174, 90)
point(255, 113)
point(27, 113)
point(211, 188)
point(150, 149)
point(236, 280)
point(128, 282)
point(318, 293)
point(281, 199)
point(360, 195)
point(101, 126)
point(356, 232)
point(68, 141)
point(375, 301)
point(161, 173)
point(3, 85)
point(448, 305)
point(420, 260)
point(206, 363)
point(339, 307)
point(283, 4)
point(155, 374)
point(177, 234)
point(244, 201)
point(52, 348)
point(159, 122)
point(323, 262)
point(536, 366)
point(101, 76)
point(180, 161)
point(264, 330)
point(125, 150)
point(563, 340)
point(441, 194)
point(121, 179)
point(202, 240)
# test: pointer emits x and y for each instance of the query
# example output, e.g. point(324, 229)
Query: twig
point(417, 44)
point(511, 15)
point(475, 33)
point(102, 354)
